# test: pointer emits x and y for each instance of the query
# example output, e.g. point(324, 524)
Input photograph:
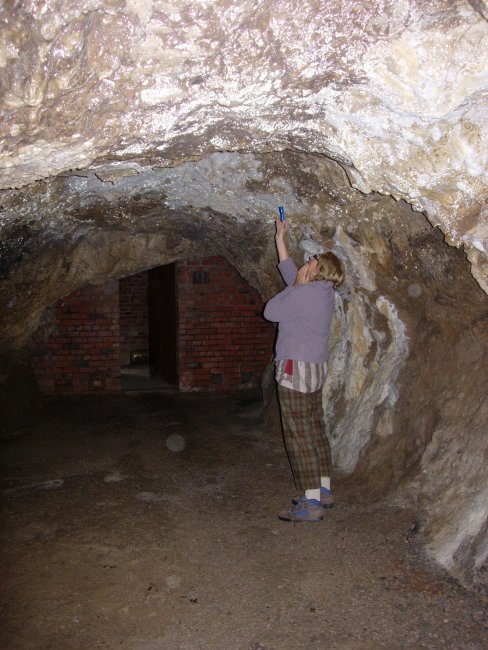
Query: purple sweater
point(304, 314)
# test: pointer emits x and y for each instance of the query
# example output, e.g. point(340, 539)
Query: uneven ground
point(147, 521)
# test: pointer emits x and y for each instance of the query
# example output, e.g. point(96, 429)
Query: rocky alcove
point(138, 133)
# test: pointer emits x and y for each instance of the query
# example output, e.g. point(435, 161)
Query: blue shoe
point(326, 498)
point(303, 510)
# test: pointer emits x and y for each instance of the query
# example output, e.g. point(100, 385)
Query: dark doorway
point(163, 323)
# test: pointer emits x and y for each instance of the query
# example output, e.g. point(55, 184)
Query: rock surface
point(140, 132)
point(395, 91)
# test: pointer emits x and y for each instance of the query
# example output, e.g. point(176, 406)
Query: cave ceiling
point(178, 128)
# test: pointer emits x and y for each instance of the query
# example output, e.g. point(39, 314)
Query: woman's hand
point(303, 276)
point(281, 229)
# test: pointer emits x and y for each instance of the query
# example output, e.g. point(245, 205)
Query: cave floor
point(147, 521)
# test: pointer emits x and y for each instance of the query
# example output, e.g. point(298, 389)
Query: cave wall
point(407, 393)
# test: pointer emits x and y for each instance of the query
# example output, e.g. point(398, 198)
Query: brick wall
point(133, 315)
point(224, 343)
point(82, 355)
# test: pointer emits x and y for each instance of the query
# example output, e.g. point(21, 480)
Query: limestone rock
point(395, 90)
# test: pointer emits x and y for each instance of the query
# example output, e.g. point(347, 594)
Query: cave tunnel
point(143, 135)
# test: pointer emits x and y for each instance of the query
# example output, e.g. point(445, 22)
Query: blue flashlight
point(282, 214)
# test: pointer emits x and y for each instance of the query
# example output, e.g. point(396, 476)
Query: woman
point(303, 311)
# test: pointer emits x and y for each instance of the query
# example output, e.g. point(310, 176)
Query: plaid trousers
point(307, 446)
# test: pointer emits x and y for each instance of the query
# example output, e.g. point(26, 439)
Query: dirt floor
point(148, 521)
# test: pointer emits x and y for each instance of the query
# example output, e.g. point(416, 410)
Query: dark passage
point(148, 522)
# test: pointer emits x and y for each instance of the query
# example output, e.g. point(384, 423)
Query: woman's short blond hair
point(329, 267)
